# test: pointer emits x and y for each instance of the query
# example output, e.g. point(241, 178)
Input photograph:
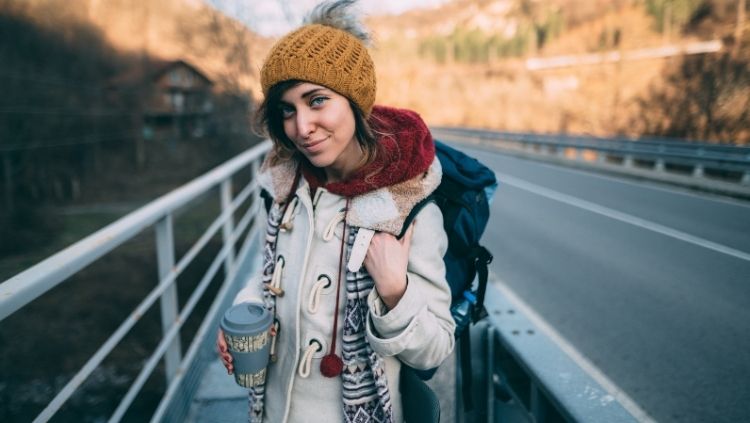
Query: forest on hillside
point(79, 149)
point(74, 133)
point(538, 24)
point(477, 50)
point(69, 133)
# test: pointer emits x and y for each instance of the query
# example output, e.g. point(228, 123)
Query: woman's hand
point(223, 349)
point(226, 358)
point(386, 261)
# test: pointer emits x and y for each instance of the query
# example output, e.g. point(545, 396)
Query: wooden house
point(174, 97)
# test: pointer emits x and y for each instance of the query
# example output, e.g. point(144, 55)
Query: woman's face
point(320, 122)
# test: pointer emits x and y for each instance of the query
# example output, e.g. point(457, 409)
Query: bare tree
point(739, 29)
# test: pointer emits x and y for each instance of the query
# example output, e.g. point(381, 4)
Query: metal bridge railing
point(523, 371)
point(522, 375)
point(713, 166)
point(21, 289)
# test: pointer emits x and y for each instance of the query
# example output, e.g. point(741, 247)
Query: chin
point(319, 161)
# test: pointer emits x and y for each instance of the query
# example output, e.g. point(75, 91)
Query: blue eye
point(318, 101)
point(286, 111)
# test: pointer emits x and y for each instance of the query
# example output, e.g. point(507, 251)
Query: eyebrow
point(311, 92)
point(305, 94)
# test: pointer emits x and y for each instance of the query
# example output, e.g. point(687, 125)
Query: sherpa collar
point(409, 173)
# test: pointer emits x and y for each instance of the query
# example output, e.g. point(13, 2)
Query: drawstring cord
point(306, 364)
point(288, 219)
point(276, 327)
point(331, 365)
point(278, 270)
point(275, 286)
point(331, 227)
point(322, 283)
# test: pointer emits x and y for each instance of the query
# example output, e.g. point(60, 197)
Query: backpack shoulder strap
point(267, 199)
point(413, 213)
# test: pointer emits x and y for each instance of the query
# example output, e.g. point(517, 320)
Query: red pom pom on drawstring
point(331, 365)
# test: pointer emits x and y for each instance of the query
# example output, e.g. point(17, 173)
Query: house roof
point(154, 70)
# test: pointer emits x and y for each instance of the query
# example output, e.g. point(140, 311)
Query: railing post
point(228, 227)
point(536, 404)
point(258, 220)
point(698, 171)
point(659, 166)
point(745, 178)
point(491, 376)
point(8, 171)
point(628, 161)
point(255, 170)
point(168, 300)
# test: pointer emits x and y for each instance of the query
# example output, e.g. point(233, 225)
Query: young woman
point(355, 294)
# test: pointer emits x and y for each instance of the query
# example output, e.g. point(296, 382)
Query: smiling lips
point(313, 146)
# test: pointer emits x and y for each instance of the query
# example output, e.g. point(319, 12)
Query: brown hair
point(269, 117)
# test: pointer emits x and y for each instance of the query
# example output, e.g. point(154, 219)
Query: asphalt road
point(651, 284)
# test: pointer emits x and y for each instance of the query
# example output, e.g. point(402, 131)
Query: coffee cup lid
point(246, 318)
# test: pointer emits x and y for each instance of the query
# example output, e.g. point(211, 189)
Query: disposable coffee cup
point(246, 330)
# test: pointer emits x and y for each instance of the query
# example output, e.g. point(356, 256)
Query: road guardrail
point(715, 167)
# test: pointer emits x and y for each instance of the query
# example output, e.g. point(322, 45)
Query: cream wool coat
point(418, 331)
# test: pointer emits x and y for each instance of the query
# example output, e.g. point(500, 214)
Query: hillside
point(464, 63)
point(72, 125)
point(475, 50)
point(68, 127)
point(168, 29)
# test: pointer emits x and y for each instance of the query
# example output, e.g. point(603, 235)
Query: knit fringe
point(366, 397)
point(257, 394)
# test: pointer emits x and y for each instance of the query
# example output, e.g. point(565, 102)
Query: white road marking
point(631, 406)
point(623, 217)
point(644, 183)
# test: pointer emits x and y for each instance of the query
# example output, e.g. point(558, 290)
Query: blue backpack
point(463, 196)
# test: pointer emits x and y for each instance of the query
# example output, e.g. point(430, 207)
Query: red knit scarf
point(405, 150)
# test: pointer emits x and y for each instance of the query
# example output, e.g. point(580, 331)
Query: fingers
point(221, 343)
point(221, 347)
point(406, 240)
point(226, 360)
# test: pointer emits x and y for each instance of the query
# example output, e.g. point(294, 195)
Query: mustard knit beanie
point(324, 55)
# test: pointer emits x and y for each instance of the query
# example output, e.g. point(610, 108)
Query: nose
point(305, 123)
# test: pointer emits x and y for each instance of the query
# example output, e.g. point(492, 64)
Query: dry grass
point(595, 99)
point(505, 95)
